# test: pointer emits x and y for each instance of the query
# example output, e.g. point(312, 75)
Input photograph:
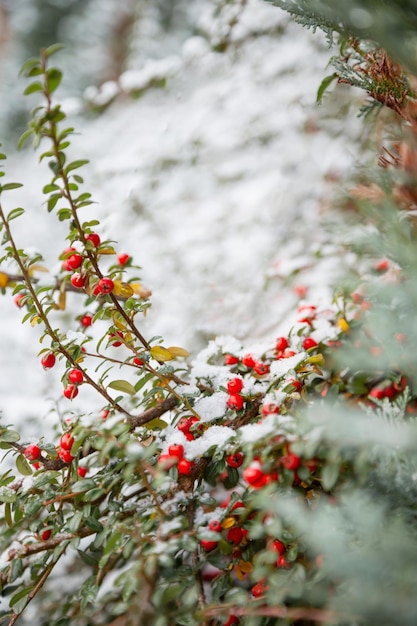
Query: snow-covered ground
point(214, 182)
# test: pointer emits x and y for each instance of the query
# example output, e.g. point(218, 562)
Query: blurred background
point(210, 162)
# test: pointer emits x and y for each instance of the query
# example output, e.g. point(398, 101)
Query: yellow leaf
point(159, 353)
point(118, 323)
point(176, 351)
point(122, 290)
point(4, 279)
point(62, 301)
point(141, 291)
point(37, 268)
point(228, 522)
point(245, 566)
point(343, 325)
point(315, 359)
point(239, 573)
point(106, 251)
point(35, 319)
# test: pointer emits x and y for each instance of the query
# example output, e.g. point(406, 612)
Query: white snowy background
point(215, 182)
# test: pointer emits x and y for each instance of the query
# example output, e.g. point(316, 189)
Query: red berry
point(46, 534)
point(309, 343)
point(123, 258)
point(32, 452)
point(94, 238)
point(116, 343)
point(248, 360)
point(232, 621)
point(235, 402)
point(66, 441)
point(235, 460)
point(259, 589)
point(176, 449)
point(104, 285)
point(234, 535)
point(86, 320)
point(207, 545)
point(295, 383)
point(261, 368)
point(377, 393)
point(382, 265)
point(104, 414)
point(71, 391)
point(20, 300)
point(65, 455)
point(139, 362)
point(78, 280)
point(185, 424)
point(278, 546)
point(166, 461)
point(73, 262)
point(48, 361)
point(282, 562)
point(81, 471)
point(282, 344)
point(357, 298)
point(269, 408)
point(189, 436)
point(291, 461)
point(75, 376)
point(215, 526)
point(230, 359)
point(235, 385)
point(237, 505)
point(185, 467)
point(253, 474)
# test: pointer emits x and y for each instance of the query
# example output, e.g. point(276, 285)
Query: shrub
point(255, 486)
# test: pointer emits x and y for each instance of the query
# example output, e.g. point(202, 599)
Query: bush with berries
point(256, 485)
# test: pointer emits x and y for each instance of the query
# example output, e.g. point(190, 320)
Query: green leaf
point(19, 596)
point(50, 187)
point(324, 85)
point(94, 494)
point(330, 475)
point(53, 79)
point(28, 133)
point(75, 521)
point(88, 593)
point(52, 201)
point(83, 485)
point(10, 436)
point(36, 70)
point(93, 524)
point(52, 49)
point(142, 381)
point(23, 465)
point(29, 65)
point(15, 213)
point(7, 495)
point(32, 88)
point(8, 514)
point(75, 165)
point(122, 385)
point(10, 186)
point(64, 214)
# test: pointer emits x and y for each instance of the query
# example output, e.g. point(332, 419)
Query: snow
point(213, 182)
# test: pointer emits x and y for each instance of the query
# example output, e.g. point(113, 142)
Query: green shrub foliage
point(267, 486)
